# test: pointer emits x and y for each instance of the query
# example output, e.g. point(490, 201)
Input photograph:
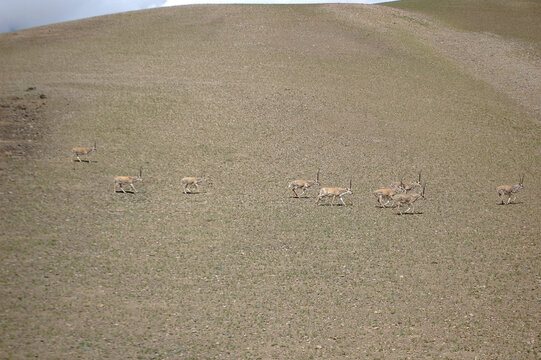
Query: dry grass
point(251, 97)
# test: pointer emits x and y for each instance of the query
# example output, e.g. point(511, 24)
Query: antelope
point(83, 151)
point(303, 184)
point(387, 193)
point(408, 199)
point(334, 192)
point(406, 185)
point(188, 181)
point(127, 180)
point(510, 190)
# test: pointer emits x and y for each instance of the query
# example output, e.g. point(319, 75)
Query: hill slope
point(511, 19)
point(252, 97)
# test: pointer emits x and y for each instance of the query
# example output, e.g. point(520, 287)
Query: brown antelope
point(303, 184)
point(406, 185)
point(80, 151)
point(334, 192)
point(127, 180)
point(387, 193)
point(510, 190)
point(408, 199)
point(191, 181)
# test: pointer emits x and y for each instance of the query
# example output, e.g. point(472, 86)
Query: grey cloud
point(21, 14)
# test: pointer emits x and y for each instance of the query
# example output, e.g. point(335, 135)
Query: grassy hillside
point(252, 97)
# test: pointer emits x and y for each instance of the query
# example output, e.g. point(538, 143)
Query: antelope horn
point(317, 177)
point(350, 184)
point(141, 171)
point(420, 175)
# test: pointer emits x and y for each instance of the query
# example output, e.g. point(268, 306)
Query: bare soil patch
point(20, 126)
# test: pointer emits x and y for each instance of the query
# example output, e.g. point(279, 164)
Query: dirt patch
point(21, 124)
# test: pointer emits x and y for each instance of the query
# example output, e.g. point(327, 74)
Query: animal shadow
point(332, 205)
point(411, 213)
point(125, 192)
point(511, 203)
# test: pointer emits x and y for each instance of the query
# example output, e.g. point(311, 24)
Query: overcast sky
point(22, 14)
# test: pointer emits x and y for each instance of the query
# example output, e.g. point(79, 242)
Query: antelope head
point(140, 177)
point(423, 191)
point(520, 185)
point(317, 178)
point(348, 190)
point(418, 183)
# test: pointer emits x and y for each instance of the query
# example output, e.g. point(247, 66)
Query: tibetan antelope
point(127, 180)
point(408, 199)
point(510, 190)
point(406, 185)
point(191, 181)
point(80, 151)
point(387, 193)
point(334, 192)
point(303, 184)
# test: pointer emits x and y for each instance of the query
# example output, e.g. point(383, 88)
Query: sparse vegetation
point(244, 270)
point(516, 19)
